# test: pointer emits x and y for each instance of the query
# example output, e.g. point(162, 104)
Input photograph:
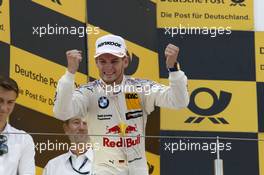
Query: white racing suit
point(119, 117)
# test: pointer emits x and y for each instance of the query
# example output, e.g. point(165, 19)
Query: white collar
point(88, 154)
point(6, 128)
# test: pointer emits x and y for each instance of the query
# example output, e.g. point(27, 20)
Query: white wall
point(259, 14)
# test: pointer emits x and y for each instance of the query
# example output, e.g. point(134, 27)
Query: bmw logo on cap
point(103, 102)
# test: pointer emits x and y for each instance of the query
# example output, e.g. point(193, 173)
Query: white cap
point(112, 44)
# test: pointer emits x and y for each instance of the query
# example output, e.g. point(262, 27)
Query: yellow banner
point(37, 79)
point(238, 15)
point(4, 21)
point(74, 9)
point(148, 67)
point(259, 51)
point(153, 163)
point(261, 153)
point(215, 106)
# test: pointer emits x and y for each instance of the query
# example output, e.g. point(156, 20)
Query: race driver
point(116, 106)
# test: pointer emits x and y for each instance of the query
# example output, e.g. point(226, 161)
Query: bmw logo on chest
point(103, 102)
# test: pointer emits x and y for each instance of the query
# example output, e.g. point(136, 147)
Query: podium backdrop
point(220, 52)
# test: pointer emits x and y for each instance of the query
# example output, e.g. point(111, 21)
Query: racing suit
point(118, 117)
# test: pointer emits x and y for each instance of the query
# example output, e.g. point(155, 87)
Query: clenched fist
point(171, 54)
point(74, 57)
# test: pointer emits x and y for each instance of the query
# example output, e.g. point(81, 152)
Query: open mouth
point(109, 74)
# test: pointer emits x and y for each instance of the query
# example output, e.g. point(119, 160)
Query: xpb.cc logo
point(219, 104)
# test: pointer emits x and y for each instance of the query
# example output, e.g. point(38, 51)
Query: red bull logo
point(122, 130)
point(113, 130)
point(122, 142)
point(130, 129)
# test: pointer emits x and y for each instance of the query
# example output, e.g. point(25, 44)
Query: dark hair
point(9, 84)
point(128, 55)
